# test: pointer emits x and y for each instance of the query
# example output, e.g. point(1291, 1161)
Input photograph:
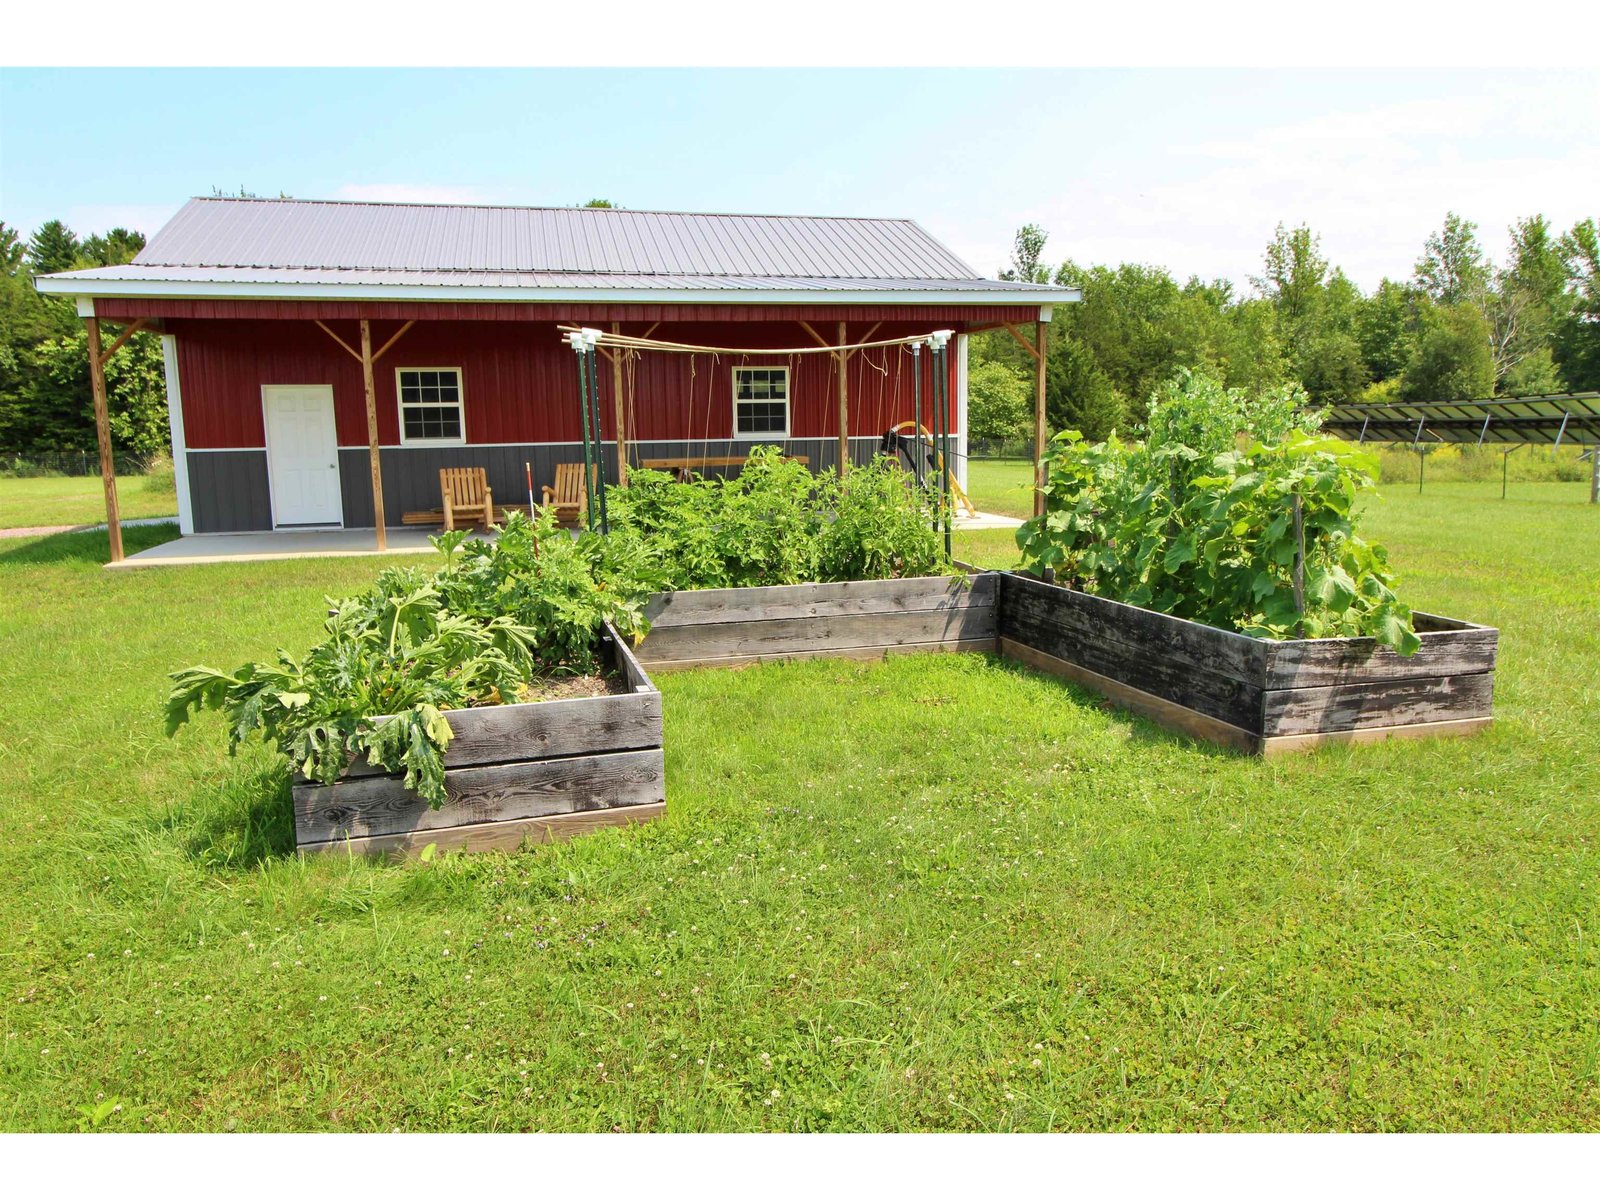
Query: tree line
point(1459, 327)
point(45, 402)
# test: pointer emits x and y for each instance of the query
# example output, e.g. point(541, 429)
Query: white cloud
point(413, 193)
point(1372, 181)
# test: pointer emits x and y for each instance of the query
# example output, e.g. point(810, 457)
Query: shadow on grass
point(1141, 730)
point(237, 822)
point(91, 547)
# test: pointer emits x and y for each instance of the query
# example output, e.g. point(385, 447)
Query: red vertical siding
point(520, 381)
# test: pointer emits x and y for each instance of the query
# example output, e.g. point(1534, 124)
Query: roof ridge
point(651, 212)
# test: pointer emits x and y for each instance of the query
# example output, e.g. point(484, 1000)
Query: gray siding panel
point(228, 490)
point(411, 475)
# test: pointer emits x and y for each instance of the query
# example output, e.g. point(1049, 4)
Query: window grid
point(760, 402)
point(430, 404)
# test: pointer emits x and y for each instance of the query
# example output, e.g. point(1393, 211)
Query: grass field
point(933, 893)
point(80, 500)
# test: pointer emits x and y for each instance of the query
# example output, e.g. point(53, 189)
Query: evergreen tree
point(1079, 395)
point(1451, 360)
point(53, 248)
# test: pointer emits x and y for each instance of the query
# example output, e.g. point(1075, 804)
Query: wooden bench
point(711, 460)
point(466, 494)
point(570, 497)
point(684, 466)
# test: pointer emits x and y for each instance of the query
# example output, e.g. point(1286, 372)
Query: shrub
point(1200, 520)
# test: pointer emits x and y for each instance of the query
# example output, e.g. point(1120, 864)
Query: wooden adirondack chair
point(568, 495)
point(466, 494)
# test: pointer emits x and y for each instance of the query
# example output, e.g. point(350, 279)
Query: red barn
point(273, 313)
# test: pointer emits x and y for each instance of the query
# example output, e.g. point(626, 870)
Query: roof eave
point(69, 284)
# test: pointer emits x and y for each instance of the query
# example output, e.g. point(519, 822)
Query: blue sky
point(1186, 168)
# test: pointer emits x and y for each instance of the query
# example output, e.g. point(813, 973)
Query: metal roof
point(540, 279)
point(245, 247)
point(1507, 420)
point(437, 237)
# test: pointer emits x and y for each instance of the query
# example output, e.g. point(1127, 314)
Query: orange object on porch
point(466, 494)
point(568, 495)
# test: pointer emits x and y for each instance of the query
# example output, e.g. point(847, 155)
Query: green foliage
point(45, 402)
point(414, 645)
point(999, 401)
point(1026, 251)
point(1199, 520)
point(533, 603)
point(53, 248)
point(393, 651)
point(1452, 268)
point(1452, 359)
point(1078, 394)
point(58, 406)
point(776, 523)
point(881, 527)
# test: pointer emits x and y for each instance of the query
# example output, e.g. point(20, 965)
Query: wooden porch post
point(372, 432)
point(844, 404)
point(102, 437)
point(622, 420)
point(1041, 357)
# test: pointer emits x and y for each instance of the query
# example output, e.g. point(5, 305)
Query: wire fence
point(37, 464)
point(1017, 448)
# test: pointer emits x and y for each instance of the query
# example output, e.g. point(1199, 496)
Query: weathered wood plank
point(380, 804)
point(1094, 618)
point(1300, 743)
point(1158, 668)
point(669, 609)
point(984, 645)
point(627, 662)
point(553, 729)
point(1176, 717)
point(726, 639)
point(1376, 702)
point(503, 835)
point(1467, 650)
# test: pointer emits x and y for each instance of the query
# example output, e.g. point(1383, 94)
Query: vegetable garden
point(1211, 577)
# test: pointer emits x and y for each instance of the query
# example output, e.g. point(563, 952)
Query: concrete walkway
point(279, 543)
point(47, 530)
point(343, 543)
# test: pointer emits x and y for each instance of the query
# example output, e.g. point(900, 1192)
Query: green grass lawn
point(80, 500)
point(933, 893)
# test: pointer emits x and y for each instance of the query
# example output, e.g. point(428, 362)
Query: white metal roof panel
point(335, 235)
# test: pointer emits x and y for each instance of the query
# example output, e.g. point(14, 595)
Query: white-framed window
point(760, 402)
point(431, 408)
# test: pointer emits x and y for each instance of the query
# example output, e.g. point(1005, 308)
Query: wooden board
point(554, 728)
point(1299, 743)
point(379, 805)
point(1162, 669)
point(1094, 618)
point(1248, 693)
point(503, 835)
point(726, 639)
point(925, 594)
point(984, 645)
point(1464, 650)
point(1410, 700)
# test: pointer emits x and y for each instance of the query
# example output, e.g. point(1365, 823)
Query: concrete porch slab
point(282, 543)
point(985, 520)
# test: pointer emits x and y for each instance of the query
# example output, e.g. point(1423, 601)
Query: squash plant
point(1232, 513)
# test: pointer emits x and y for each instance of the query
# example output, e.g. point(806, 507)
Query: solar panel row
point(1520, 420)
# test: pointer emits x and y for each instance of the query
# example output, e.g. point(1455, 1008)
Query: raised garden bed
point(1250, 694)
point(730, 627)
point(544, 770)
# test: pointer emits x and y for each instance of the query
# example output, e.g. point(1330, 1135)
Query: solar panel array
point(1520, 420)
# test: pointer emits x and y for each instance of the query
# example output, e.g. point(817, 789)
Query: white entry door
point(302, 455)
